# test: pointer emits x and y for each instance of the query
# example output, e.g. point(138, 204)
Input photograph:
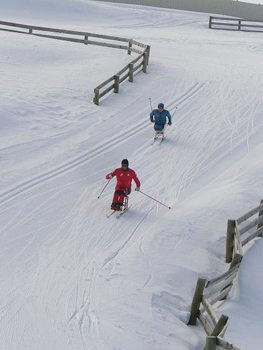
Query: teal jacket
point(160, 118)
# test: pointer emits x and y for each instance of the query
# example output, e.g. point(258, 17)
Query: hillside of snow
point(70, 278)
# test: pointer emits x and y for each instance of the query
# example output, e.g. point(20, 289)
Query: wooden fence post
point(96, 96)
point(144, 63)
point(116, 83)
point(210, 22)
point(86, 38)
point(219, 326)
point(239, 25)
point(231, 224)
point(148, 53)
point(131, 65)
point(129, 47)
point(200, 285)
point(30, 31)
point(210, 343)
point(260, 214)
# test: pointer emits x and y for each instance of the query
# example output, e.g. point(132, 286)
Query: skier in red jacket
point(124, 176)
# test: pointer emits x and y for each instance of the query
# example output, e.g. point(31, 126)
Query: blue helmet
point(161, 105)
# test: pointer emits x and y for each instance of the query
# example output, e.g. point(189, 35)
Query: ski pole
point(174, 111)
point(104, 188)
point(150, 103)
point(155, 200)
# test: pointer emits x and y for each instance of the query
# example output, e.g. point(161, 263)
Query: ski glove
point(110, 176)
point(137, 188)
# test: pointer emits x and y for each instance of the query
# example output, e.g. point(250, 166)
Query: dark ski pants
point(158, 127)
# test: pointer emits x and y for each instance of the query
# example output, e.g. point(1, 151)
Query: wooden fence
point(208, 293)
point(138, 64)
point(241, 227)
point(235, 24)
point(130, 45)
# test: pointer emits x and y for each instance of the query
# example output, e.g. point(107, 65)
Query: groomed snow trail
point(70, 277)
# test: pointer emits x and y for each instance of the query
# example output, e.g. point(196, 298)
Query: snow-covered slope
point(71, 278)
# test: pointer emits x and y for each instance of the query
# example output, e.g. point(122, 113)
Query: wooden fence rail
point(212, 342)
point(127, 72)
point(224, 23)
point(138, 64)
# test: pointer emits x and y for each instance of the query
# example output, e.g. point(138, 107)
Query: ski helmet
point(125, 162)
point(161, 105)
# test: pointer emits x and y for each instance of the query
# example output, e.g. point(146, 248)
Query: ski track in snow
point(80, 270)
point(79, 296)
point(109, 144)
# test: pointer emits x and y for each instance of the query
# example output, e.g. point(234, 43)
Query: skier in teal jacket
point(160, 117)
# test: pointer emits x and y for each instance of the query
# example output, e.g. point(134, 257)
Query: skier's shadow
point(170, 142)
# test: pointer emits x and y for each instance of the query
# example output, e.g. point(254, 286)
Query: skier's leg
point(159, 130)
point(115, 201)
point(118, 198)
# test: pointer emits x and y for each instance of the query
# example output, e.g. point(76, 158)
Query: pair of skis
point(159, 137)
point(117, 213)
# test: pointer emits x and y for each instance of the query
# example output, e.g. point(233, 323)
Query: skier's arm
point(136, 180)
point(110, 175)
point(151, 116)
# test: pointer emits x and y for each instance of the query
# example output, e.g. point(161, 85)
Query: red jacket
point(124, 178)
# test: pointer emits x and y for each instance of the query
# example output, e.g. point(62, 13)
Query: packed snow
point(255, 2)
point(71, 278)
